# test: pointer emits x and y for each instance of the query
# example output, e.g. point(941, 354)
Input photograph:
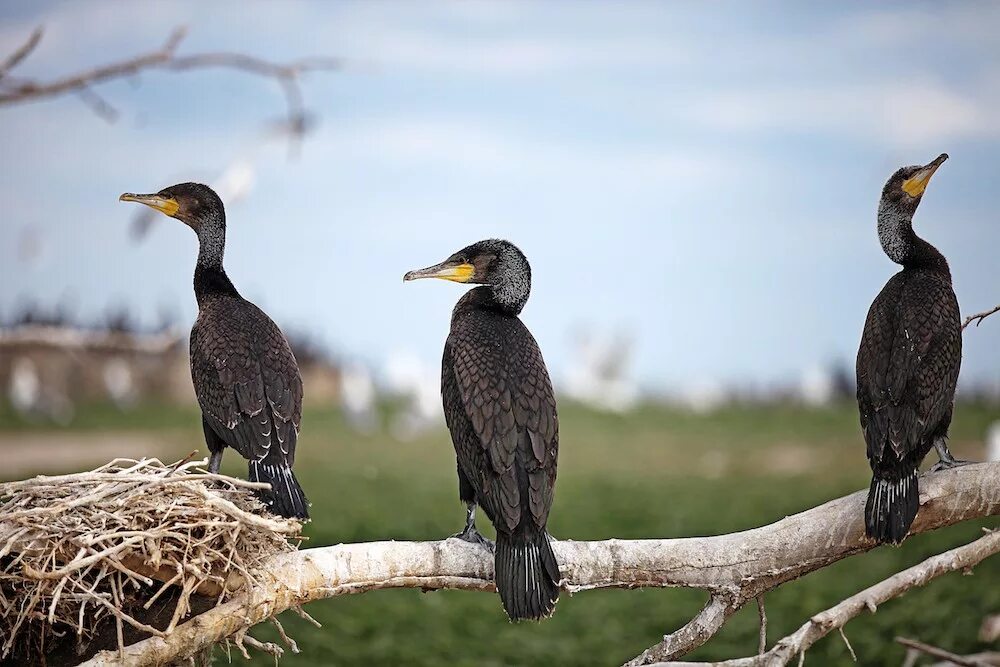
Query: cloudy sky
point(700, 176)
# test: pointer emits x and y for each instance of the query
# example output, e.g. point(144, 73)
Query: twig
point(762, 619)
point(979, 317)
point(939, 653)
point(14, 59)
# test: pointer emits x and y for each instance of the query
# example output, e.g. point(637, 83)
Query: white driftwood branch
point(834, 618)
point(734, 568)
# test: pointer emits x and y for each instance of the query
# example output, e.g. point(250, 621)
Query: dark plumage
point(908, 362)
point(245, 376)
point(501, 411)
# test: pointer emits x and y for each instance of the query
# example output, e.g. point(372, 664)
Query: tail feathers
point(892, 504)
point(527, 575)
point(285, 497)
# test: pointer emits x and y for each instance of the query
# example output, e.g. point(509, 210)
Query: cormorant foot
point(949, 463)
point(473, 536)
point(946, 460)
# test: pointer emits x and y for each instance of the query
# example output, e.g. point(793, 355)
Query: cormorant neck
point(901, 244)
point(209, 275)
point(485, 297)
point(212, 242)
point(511, 295)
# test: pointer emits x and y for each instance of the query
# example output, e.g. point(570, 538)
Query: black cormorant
point(501, 411)
point(908, 362)
point(245, 376)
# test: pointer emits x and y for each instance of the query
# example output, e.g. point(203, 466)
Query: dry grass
point(106, 545)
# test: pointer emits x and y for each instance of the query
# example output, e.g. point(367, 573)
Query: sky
point(699, 177)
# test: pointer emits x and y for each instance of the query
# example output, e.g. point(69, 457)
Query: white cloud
point(470, 145)
point(899, 114)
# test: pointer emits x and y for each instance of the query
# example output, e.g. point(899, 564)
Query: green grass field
point(655, 473)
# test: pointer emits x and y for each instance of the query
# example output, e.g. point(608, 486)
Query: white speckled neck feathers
point(513, 286)
point(901, 244)
point(212, 241)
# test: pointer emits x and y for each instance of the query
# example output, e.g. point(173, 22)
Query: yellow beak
point(459, 273)
point(166, 205)
point(916, 184)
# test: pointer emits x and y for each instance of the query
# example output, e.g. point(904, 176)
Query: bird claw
point(949, 464)
point(473, 536)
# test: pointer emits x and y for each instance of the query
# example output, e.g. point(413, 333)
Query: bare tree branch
point(733, 568)
point(14, 59)
point(834, 618)
point(979, 317)
point(941, 654)
point(165, 58)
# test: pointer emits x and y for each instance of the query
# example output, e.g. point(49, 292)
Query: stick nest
point(122, 549)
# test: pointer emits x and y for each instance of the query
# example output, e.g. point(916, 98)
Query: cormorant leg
point(946, 459)
point(470, 534)
point(214, 461)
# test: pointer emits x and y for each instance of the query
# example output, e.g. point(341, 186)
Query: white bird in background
point(237, 179)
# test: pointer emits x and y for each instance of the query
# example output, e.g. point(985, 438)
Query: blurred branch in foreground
point(15, 90)
point(734, 569)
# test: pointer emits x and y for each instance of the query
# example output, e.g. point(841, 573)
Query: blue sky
point(702, 176)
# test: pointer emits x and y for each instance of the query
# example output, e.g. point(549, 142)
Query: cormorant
point(501, 411)
point(908, 362)
point(245, 376)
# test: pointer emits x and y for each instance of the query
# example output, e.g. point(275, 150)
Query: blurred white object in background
point(357, 397)
point(703, 395)
point(598, 375)
point(117, 376)
point(816, 386)
point(419, 386)
point(993, 442)
point(30, 396)
point(25, 391)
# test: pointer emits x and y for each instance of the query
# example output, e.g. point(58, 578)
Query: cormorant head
point(499, 264)
point(193, 204)
point(905, 188)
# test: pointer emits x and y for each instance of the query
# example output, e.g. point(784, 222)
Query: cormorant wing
point(498, 372)
point(247, 381)
point(908, 364)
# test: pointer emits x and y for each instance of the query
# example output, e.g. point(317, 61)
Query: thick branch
point(741, 565)
point(834, 618)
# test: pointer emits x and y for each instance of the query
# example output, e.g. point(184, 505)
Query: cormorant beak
point(459, 273)
point(166, 205)
point(916, 184)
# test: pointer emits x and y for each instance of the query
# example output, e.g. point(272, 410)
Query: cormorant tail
point(893, 501)
point(527, 574)
point(285, 497)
